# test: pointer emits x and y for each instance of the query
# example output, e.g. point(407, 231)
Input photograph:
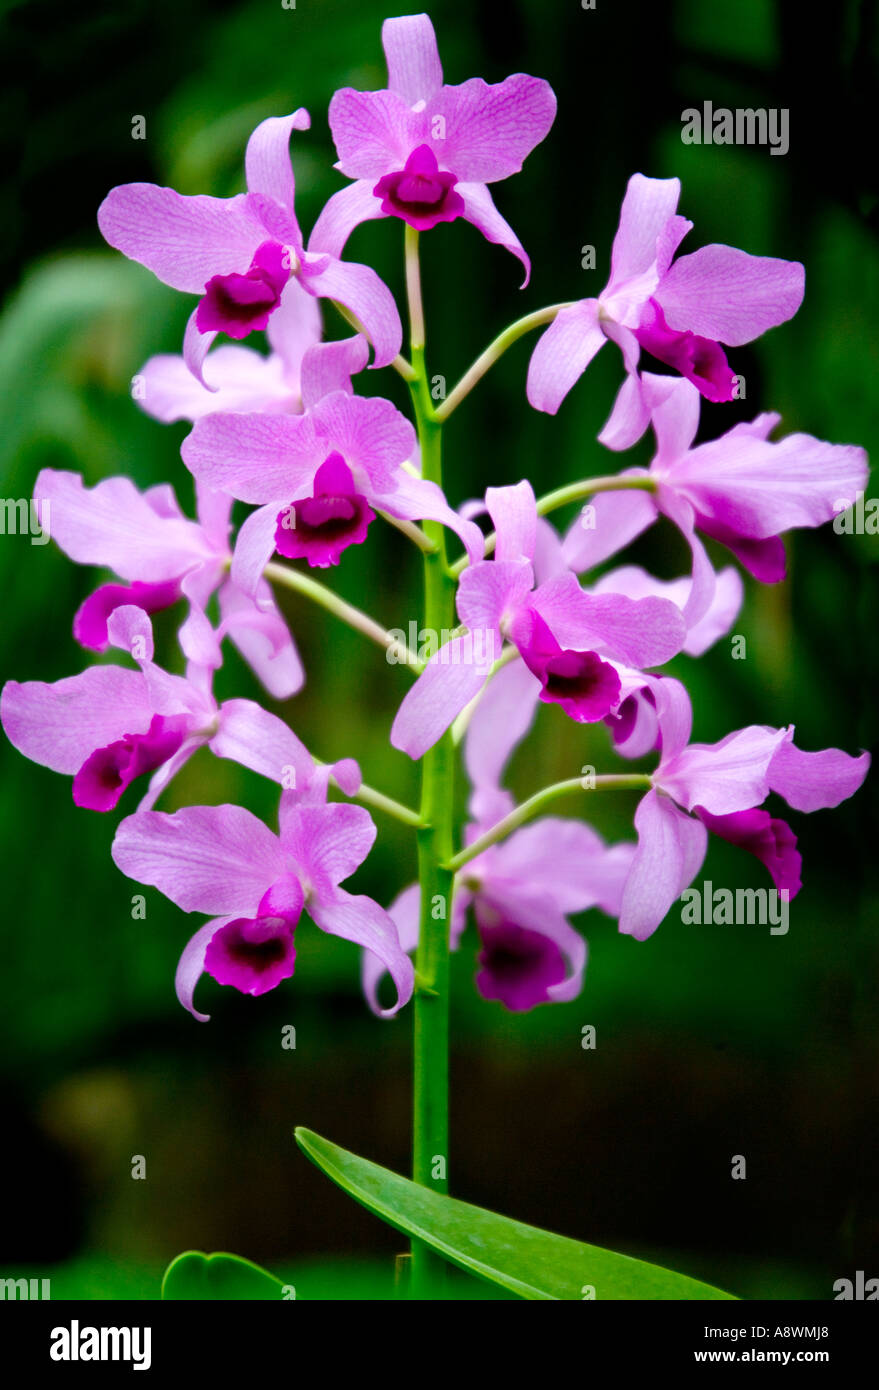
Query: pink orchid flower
point(679, 311)
point(110, 725)
point(720, 787)
point(240, 254)
point(568, 639)
point(221, 860)
point(319, 478)
point(522, 892)
point(425, 152)
point(509, 702)
point(742, 489)
point(240, 378)
point(163, 557)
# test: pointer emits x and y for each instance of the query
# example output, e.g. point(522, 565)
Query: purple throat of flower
point(254, 954)
point(90, 622)
point(583, 685)
point(239, 304)
point(420, 193)
point(108, 772)
point(770, 840)
point(517, 966)
point(700, 360)
point(320, 527)
point(623, 720)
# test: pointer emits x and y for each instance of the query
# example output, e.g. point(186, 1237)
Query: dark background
point(712, 1041)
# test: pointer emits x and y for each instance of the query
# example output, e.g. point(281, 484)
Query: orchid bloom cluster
point(322, 468)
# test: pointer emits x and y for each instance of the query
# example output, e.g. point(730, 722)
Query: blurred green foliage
point(713, 1041)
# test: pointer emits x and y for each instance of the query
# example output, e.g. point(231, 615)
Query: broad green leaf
point(211, 1277)
point(532, 1263)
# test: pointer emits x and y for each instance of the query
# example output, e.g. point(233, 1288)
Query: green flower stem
point(573, 492)
point(408, 528)
point(370, 797)
point(430, 1099)
point(346, 612)
point(492, 353)
point(536, 803)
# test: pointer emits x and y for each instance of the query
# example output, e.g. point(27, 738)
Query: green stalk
point(624, 781)
point(430, 1099)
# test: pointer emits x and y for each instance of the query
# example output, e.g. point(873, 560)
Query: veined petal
point(674, 712)
point(451, 679)
point(359, 919)
point(258, 630)
point(404, 913)
point(563, 353)
point(492, 591)
point(648, 207)
point(251, 736)
point(637, 632)
point(60, 725)
point(267, 161)
point(671, 849)
point(343, 212)
point(758, 489)
point(114, 525)
point(365, 295)
point(255, 457)
point(513, 511)
point(374, 132)
point(813, 781)
point(325, 842)
point(636, 583)
point(184, 241)
point(254, 547)
point(190, 967)
point(370, 434)
point(724, 294)
point(674, 404)
point(629, 417)
point(329, 367)
point(491, 129)
point(215, 859)
point(731, 775)
point(414, 69)
point(242, 380)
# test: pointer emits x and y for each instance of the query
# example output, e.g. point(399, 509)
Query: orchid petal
point(414, 69)
point(215, 859)
point(813, 781)
point(670, 852)
point(267, 160)
point(726, 295)
point(359, 919)
point(183, 241)
point(563, 353)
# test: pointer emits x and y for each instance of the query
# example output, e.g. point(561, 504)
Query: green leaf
point(529, 1262)
point(210, 1277)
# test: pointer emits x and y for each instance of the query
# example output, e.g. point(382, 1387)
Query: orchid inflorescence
point(524, 617)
